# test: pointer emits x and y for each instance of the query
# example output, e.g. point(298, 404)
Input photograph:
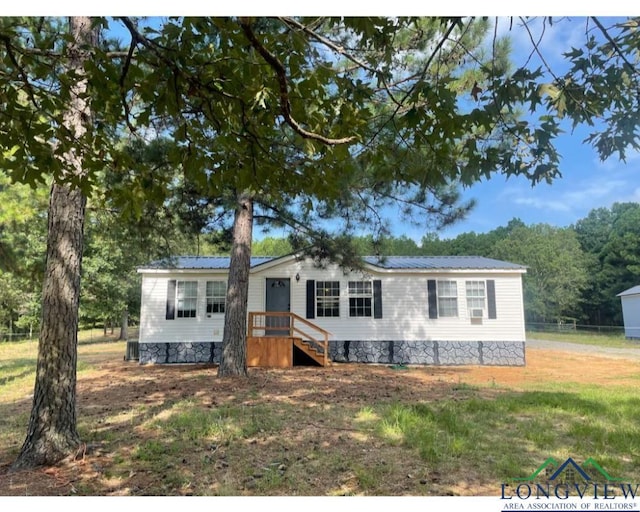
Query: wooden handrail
point(255, 325)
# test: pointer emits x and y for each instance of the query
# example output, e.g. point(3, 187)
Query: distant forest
point(574, 272)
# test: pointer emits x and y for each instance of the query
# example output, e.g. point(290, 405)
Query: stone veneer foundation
point(438, 353)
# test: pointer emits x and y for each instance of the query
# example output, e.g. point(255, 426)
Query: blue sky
point(586, 182)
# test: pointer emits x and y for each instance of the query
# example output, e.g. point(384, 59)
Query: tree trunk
point(52, 434)
point(124, 325)
point(234, 338)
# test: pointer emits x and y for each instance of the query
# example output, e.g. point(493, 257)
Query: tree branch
point(328, 43)
point(123, 94)
point(115, 54)
point(157, 51)
point(19, 69)
point(285, 104)
point(536, 47)
point(630, 67)
point(137, 37)
point(427, 65)
point(401, 104)
point(338, 49)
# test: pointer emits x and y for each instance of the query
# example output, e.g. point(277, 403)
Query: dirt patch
point(118, 398)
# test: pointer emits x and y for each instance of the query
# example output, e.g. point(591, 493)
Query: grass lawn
point(344, 430)
point(586, 338)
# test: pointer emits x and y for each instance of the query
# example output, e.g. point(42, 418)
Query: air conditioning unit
point(477, 313)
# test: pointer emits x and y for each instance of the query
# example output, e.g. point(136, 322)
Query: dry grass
point(348, 429)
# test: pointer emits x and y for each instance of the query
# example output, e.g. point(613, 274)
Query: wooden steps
point(273, 335)
point(277, 351)
point(312, 352)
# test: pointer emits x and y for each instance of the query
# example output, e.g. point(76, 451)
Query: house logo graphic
point(568, 466)
point(568, 479)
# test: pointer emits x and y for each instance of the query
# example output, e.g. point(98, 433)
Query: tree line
point(573, 273)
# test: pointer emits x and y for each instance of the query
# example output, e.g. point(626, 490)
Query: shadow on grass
point(14, 369)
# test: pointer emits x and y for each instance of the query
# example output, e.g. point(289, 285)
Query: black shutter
point(377, 298)
point(432, 296)
point(171, 299)
point(311, 298)
point(491, 298)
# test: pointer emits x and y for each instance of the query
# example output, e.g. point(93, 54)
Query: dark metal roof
point(201, 262)
point(440, 263)
point(386, 263)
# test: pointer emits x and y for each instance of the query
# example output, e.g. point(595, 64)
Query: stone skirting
point(183, 352)
point(438, 353)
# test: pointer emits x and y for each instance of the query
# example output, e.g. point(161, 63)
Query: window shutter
point(377, 298)
point(432, 296)
point(311, 298)
point(171, 299)
point(491, 298)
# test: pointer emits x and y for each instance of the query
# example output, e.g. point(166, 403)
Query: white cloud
point(596, 191)
point(572, 200)
point(613, 163)
point(543, 204)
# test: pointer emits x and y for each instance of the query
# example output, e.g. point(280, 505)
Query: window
point(447, 298)
point(216, 291)
point(328, 298)
point(187, 299)
point(360, 296)
point(476, 298)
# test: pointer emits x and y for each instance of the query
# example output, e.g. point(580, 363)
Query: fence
point(574, 327)
point(84, 336)
point(15, 336)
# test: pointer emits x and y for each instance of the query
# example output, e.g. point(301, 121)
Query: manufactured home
point(443, 310)
point(631, 312)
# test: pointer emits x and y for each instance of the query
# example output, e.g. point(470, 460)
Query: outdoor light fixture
point(297, 277)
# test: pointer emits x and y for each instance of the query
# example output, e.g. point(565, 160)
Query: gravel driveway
point(624, 353)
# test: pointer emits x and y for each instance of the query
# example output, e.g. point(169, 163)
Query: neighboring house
point(631, 312)
point(443, 310)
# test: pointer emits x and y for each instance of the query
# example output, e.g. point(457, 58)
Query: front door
point(278, 299)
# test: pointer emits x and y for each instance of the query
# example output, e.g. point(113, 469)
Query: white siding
point(155, 328)
point(404, 306)
point(631, 315)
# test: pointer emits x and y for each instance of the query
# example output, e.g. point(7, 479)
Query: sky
point(586, 182)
